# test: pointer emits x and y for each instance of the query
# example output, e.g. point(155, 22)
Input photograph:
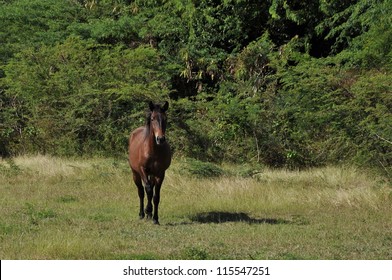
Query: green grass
point(54, 208)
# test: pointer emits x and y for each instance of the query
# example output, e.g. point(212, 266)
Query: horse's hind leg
point(138, 182)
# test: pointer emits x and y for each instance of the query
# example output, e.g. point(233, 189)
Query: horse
point(149, 158)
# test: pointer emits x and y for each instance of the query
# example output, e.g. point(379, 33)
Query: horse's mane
point(148, 119)
point(147, 124)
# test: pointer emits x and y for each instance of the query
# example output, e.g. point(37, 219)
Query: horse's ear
point(151, 105)
point(165, 106)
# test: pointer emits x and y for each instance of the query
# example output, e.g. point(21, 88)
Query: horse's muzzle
point(160, 139)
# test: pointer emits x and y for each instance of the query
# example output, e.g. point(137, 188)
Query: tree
point(282, 83)
point(31, 23)
point(80, 95)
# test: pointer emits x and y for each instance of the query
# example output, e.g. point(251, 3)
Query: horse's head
point(157, 119)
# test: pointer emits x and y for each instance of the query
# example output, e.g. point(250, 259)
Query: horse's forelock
point(157, 108)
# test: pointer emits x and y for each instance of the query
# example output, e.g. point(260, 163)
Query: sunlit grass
point(53, 208)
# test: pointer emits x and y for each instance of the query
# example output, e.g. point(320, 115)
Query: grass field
point(54, 208)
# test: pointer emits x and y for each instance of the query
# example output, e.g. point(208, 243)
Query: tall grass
point(53, 208)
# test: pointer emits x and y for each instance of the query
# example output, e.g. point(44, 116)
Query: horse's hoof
point(156, 222)
point(141, 216)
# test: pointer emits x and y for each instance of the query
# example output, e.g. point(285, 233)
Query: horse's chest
point(155, 165)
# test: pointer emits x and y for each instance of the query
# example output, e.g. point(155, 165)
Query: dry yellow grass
point(53, 208)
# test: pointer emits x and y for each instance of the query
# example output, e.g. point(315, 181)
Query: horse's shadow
point(224, 217)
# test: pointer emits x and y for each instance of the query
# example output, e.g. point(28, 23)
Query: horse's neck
point(150, 138)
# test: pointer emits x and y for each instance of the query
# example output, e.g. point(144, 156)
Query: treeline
point(284, 83)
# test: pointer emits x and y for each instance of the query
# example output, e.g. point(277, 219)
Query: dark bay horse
point(149, 157)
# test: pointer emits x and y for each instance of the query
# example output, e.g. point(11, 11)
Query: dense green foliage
point(283, 83)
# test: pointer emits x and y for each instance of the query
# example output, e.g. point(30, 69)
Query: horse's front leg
point(157, 197)
point(149, 187)
point(138, 182)
point(150, 192)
